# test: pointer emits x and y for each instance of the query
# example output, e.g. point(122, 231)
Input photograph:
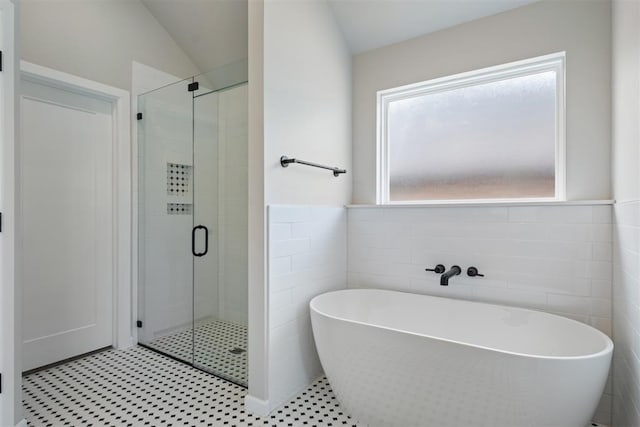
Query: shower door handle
point(193, 240)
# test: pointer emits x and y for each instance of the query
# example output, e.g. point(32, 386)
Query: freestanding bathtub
point(400, 359)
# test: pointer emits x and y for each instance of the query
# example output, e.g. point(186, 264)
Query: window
point(489, 135)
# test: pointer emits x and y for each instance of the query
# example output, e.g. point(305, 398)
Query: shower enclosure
point(192, 221)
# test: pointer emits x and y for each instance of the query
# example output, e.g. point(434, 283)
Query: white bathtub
point(403, 359)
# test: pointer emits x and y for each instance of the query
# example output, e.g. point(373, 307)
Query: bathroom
point(317, 76)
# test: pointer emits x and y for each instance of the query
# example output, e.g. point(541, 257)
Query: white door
point(66, 254)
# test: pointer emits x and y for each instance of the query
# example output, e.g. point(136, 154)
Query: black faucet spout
point(453, 271)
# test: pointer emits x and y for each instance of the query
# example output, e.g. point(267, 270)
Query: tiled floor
point(211, 350)
point(139, 387)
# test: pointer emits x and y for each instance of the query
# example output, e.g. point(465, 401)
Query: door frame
point(10, 309)
point(119, 99)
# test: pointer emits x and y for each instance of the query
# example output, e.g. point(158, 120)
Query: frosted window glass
point(492, 140)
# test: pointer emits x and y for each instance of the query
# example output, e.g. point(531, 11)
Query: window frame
point(552, 62)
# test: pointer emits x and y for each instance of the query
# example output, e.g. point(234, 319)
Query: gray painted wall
point(581, 28)
point(625, 106)
point(98, 39)
point(307, 103)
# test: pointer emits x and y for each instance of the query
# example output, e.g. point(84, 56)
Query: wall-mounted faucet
point(453, 271)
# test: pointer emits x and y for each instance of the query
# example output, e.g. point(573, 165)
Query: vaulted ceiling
point(211, 32)
point(370, 24)
point(214, 32)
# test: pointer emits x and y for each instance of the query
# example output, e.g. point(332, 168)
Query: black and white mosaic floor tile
point(211, 345)
point(138, 387)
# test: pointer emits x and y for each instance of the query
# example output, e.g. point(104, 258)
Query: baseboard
point(63, 361)
point(22, 423)
point(265, 407)
point(126, 344)
point(256, 406)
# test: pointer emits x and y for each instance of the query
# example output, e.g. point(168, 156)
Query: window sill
point(486, 204)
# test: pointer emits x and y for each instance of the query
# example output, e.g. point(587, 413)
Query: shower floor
point(217, 346)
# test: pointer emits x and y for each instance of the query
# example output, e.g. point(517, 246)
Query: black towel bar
point(284, 162)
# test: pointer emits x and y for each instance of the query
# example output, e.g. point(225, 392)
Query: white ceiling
point(370, 24)
point(211, 32)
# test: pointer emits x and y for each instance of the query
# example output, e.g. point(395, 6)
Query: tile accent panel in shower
point(552, 258)
point(179, 209)
point(178, 179)
point(307, 256)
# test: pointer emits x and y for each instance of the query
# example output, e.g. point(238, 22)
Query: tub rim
point(608, 347)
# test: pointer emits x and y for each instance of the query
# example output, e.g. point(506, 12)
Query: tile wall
point(306, 257)
point(552, 258)
point(626, 319)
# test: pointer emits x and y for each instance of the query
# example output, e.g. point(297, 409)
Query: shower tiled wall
point(552, 258)
point(232, 205)
point(306, 257)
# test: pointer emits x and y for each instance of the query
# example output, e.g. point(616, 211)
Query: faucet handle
point(473, 272)
point(439, 269)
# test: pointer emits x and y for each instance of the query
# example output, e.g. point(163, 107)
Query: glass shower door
point(205, 263)
point(193, 195)
point(165, 225)
point(221, 194)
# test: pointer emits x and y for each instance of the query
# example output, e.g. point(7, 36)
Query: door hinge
point(0, 222)
point(0, 383)
point(1, 64)
point(139, 323)
point(139, 116)
point(193, 86)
